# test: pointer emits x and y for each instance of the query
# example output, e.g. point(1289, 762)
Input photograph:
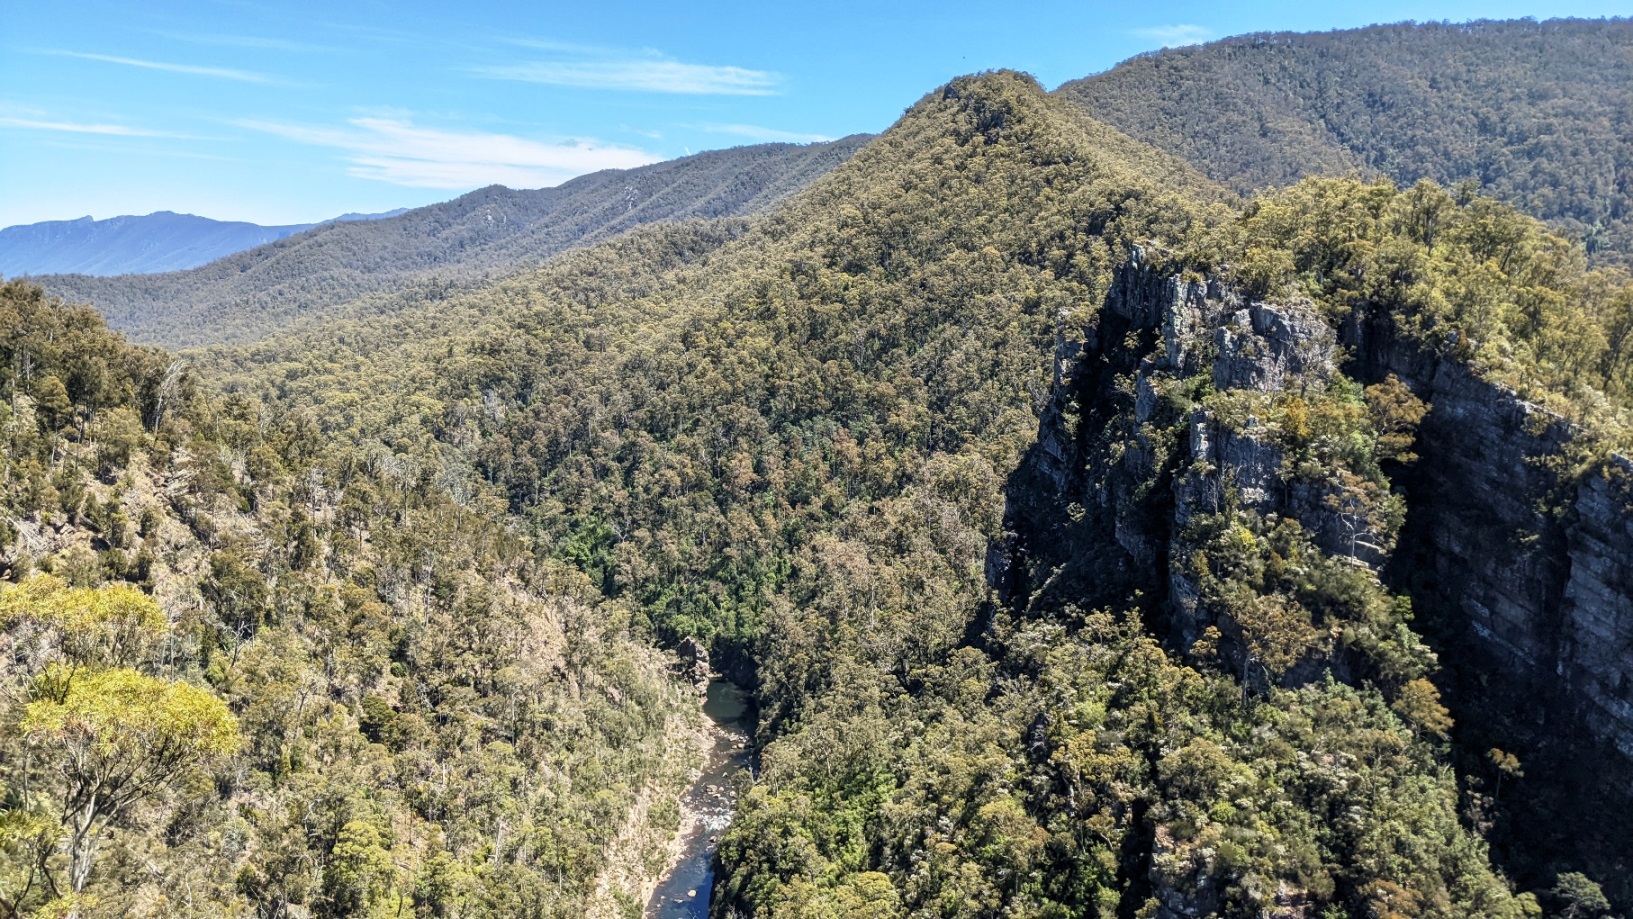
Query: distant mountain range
point(161, 241)
point(490, 232)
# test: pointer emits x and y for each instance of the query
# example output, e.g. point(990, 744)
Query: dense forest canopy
point(1535, 114)
point(793, 440)
point(362, 618)
point(929, 345)
point(1517, 298)
point(250, 671)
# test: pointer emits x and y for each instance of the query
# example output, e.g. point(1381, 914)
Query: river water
point(706, 808)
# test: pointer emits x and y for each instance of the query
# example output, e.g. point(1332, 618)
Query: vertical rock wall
point(1534, 554)
point(1527, 555)
point(1507, 527)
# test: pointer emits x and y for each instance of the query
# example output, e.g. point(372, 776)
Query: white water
point(684, 893)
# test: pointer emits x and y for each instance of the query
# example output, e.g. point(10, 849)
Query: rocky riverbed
point(706, 808)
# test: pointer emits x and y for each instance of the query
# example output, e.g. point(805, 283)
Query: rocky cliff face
point(1510, 523)
point(1130, 443)
point(1520, 531)
point(1596, 653)
point(1514, 537)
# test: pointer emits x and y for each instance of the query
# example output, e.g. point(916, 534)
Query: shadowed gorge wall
point(1518, 551)
point(1059, 510)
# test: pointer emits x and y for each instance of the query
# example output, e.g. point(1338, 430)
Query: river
point(706, 808)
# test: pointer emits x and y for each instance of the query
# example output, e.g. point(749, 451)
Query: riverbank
point(705, 809)
point(652, 840)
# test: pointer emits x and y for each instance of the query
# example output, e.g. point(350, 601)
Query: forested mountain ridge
point(798, 439)
point(1536, 113)
point(1058, 507)
point(486, 234)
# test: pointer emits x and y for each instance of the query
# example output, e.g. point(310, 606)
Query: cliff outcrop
point(1510, 521)
point(1513, 541)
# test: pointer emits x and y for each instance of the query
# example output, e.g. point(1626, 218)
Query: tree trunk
point(82, 845)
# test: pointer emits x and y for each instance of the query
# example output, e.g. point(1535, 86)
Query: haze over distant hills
point(161, 241)
point(490, 232)
point(1538, 113)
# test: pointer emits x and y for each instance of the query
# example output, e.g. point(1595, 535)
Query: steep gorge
point(1187, 680)
point(791, 439)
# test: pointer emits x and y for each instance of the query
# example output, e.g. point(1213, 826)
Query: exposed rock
point(1182, 878)
point(1539, 563)
point(1596, 654)
point(1185, 883)
point(1511, 527)
point(1535, 554)
point(1239, 345)
point(1272, 349)
point(694, 663)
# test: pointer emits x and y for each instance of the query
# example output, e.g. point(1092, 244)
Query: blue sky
point(296, 111)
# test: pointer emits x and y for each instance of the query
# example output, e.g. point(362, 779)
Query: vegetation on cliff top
point(793, 438)
point(1455, 272)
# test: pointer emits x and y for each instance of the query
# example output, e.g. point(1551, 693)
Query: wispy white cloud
point(593, 67)
point(71, 127)
point(566, 47)
point(397, 151)
point(220, 73)
point(128, 150)
point(247, 41)
point(755, 132)
point(1176, 35)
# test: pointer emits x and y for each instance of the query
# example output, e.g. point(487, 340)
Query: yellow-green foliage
point(426, 536)
point(391, 658)
point(793, 438)
point(123, 724)
point(682, 412)
point(108, 625)
point(90, 741)
point(1465, 273)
